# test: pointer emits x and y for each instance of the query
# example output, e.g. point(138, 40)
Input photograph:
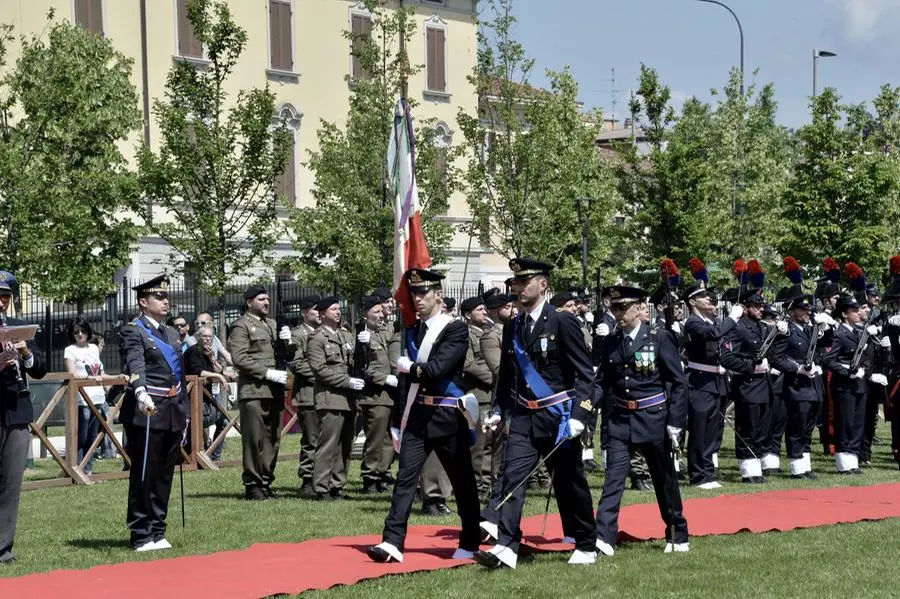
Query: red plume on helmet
point(669, 271)
point(855, 276)
point(698, 269)
point(895, 267)
point(792, 270)
point(756, 274)
point(832, 269)
point(740, 271)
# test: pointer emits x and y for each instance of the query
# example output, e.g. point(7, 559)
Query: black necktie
point(529, 327)
point(626, 343)
point(162, 331)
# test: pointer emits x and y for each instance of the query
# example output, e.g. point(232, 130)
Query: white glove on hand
point(885, 341)
point(782, 327)
point(824, 318)
point(589, 317)
point(395, 437)
point(602, 330)
point(774, 372)
point(878, 379)
point(763, 366)
point(357, 384)
point(872, 330)
point(277, 376)
point(404, 364)
point(807, 372)
point(364, 336)
point(490, 422)
point(894, 320)
point(284, 333)
point(818, 370)
point(736, 312)
point(861, 373)
point(676, 328)
point(674, 432)
point(145, 402)
point(576, 427)
point(391, 380)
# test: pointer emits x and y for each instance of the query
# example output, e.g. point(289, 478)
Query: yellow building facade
point(298, 47)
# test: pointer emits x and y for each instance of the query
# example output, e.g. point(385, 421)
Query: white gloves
point(277, 376)
point(284, 333)
point(490, 422)
point(602, 330)
point(356, 384)
point(576, 427)
point(782, 327)
point(818, 369)
point(404, 364)
point(589, 317)
point(872, 330)
point(391, 380)
point(808, 372)
point(885, 341)
point(145, 402)
point(676, 328)
point(364, 336)
point(762, 366)
point(674, 432)
point(878, 379)
point(860, 373)
point(736, 312)
point(395, 437)
point(824, 318)
point(894, 320)
point(774, 372)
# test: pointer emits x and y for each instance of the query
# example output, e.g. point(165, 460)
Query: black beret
point(308, 302)
point(470, 303)
point(254, 290)
point(383, 293)
point(497, 300)
point(368, 302)
point(327, 301)
point(562, 298)
point(450, 303)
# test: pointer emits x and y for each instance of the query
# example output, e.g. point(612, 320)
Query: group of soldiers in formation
point(515, 387)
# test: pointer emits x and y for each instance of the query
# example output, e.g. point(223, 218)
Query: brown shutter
point(429, 58)
point(188, 44)
point(89, 14)
point(439, 75)
point(280, 34)
point(361, 28)
point(286, 186)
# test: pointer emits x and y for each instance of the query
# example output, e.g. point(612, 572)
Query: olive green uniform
point(479, 382)
point(490, 351)
point(376, 401)
point(304, 400)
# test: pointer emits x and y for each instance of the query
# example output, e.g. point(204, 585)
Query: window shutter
point(89, 14)
point(280, 33)
point(361, 28)
point(439, 61)
point(286, 186)
point(430, 58)
point(188, 44)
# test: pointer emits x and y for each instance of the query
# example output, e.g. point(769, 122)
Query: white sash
point(435, 327)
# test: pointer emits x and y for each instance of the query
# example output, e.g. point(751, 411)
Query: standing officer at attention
point(17, 362)
point(434, 416)
point(304, 395)
point(260, 392)
point(544, 391)
point(638, 363)
point(479, 382)
point(154, 412)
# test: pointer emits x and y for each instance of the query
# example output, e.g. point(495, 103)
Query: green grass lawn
point(78, 527)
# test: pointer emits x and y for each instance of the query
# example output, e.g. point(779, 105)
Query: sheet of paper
point(14, 334)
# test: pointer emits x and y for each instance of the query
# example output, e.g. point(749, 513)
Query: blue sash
point(171, 354)
point(539, 386)
point(447, 387)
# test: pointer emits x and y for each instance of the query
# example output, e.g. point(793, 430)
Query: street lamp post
point(817, 54)
point(740, 31)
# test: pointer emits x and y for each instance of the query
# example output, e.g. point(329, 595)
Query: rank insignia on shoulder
point(586, 405)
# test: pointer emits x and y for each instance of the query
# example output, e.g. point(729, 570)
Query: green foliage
point(346, 239)
point(66, 109)
point(214, 173)
point(532, 159)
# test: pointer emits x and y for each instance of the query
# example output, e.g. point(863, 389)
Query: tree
point(346, 240)
point(532, 158)
point(68, 105)
point(842, 200)
point(214, 173)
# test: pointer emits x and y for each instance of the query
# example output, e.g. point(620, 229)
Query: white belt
point(711, 368)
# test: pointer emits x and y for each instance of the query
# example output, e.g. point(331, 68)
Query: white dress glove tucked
point(894, 320)
point(824, 318)
point(404, 364)
point(782, 327)
point(807, 372)
point(576, 427)
point(674, 432)
point(357, 384)
point(490, 422)
point(364, 336)
point(878, 379)
point(885, 341)
point(145, 402)
point(859, 374)
point(589, 317)
point(602, 330)
point(762, 366)
point(736, 312)
point(277, 376)
point(872, 330)
point(284, 333)
point(391, 380)
point(676, 328)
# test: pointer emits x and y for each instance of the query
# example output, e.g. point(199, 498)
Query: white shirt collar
point(633, 334)
point(153, 323)
point(536, 312)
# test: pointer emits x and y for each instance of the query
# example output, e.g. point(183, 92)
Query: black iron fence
point(185, 299)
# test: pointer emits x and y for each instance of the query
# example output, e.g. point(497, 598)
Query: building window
point(188, 44)
point(361, 32)
point(281, 35)
point(286, 183)
point(89, 14)
point(435, 59)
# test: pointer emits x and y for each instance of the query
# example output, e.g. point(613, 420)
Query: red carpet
point(268, 569)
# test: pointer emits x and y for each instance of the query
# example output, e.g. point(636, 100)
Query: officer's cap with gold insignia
point(624, 294)
point(525, 268)
point(158, 286)
point(422, 279)
point(7, 282)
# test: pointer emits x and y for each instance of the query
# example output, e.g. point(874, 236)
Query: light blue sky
point(693, 44)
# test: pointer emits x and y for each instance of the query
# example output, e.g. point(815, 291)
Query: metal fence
point(185, 299)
